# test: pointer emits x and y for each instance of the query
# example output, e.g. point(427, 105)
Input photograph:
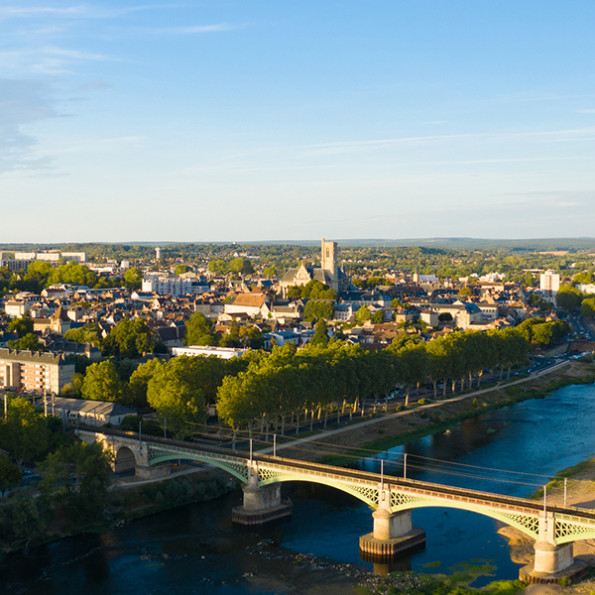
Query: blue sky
point(219, 120)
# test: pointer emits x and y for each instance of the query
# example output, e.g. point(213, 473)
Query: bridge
point(554, 528)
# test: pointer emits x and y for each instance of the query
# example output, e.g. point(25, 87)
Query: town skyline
point(127, 122)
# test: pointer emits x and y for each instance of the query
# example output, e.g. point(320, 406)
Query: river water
point(195, 549)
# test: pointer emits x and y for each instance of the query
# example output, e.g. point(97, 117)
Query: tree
point(75, 273)
point(199, 330)
point(139, 382)
point(24, 433)
point(378, 317)
point(10, 475)
point(251, 336)
point(102, 383)
point(318, 309)
point(133, 279)
point(175, 397)
point(88, 333)
point(29, 341)
point(568, 298)
point(320, 334)
point(241, 265)
point(130, 339)
point(180, 269)
point(588, 307)
point(21, 326)
point(363, 314)
point(78, 475)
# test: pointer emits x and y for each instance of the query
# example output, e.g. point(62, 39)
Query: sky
point(244, 120)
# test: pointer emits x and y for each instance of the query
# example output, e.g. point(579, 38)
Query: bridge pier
point(552, 562)
point(393, 533)
point(262, 504)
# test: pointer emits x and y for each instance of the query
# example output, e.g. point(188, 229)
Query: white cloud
point(21, 103)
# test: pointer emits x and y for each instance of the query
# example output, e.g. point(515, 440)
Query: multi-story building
point(549, 284)
point(34, 371)
point(166, 284)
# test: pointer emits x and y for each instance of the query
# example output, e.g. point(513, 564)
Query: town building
point(34, 371)
point(93, 413)
point(207, 351)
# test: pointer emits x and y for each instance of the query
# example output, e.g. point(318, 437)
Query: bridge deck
point(413, 486)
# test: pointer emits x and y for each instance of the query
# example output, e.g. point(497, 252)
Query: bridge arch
point(124, 460)
point(238, 470)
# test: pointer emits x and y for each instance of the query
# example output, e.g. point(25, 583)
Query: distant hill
point(537, 244)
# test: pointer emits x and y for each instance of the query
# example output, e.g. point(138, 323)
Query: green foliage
point(22, 519)
point(318, 310)
point(88, 333)
point(176, 393)
point(588, 307)
point(199, 331)
point(130, 339)
point(378, 317)
point(78, 476)
point(240, 265)
point(133, 279)
point(320, 335)
point(568, 298)
point(24, 433)
point(21, 326)
point(363, 315)
point(29, 341)
point(136, 391)
point(75, 273)
point(180, 269)
point(10, 475)
point(102, 383)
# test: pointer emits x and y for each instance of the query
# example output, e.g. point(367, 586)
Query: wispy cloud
point(46, 60)
point(21, 103)
point(564, 135)
point(77, 11)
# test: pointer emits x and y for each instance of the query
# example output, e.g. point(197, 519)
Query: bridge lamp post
point(274, 445)
point(404, 465)
point(140, 437)
point(565, 486)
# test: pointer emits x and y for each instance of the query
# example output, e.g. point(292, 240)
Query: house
point(252, 304)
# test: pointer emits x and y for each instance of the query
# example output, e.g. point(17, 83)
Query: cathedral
point(329, 272)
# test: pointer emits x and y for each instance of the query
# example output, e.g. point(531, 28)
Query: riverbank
point(580, 492)
point(360, 438)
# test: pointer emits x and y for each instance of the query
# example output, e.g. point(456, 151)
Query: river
point(195, 549)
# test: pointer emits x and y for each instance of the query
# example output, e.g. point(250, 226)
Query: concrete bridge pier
point(393, 533)
point(262, 504)
point(552, 562)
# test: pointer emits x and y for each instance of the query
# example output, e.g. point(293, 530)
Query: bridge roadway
point(373, 479)
point(554, 528)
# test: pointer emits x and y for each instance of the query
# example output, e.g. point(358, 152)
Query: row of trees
point(319, 379)
point(326, 375)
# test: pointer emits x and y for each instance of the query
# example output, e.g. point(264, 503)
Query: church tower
point(328, 256)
